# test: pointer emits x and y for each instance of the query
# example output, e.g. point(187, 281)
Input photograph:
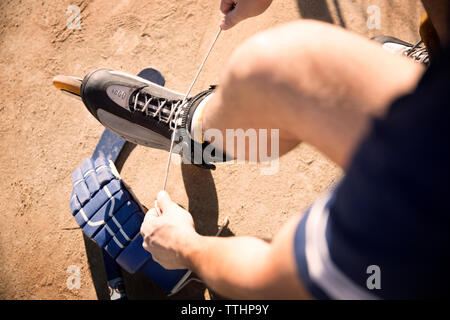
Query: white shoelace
point(184, 281)
point(417, 53)
point(182, 104)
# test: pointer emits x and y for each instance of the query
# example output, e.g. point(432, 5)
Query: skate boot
point(416, 52)
point(145, 113)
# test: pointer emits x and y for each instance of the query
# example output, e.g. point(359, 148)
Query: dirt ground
point(44, 135)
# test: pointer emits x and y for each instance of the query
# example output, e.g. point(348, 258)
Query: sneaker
point(416, 52)
point(143, 112)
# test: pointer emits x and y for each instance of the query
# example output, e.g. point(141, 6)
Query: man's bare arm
point(237, 267)
point(248, 268)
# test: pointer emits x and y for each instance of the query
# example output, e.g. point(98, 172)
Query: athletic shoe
point(416, 52)
point(143, 112)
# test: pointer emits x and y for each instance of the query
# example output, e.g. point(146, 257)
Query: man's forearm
point(238, 267)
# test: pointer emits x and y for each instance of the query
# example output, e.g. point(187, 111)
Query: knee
point(252, 62)
point(268, 58)
point(250, 69)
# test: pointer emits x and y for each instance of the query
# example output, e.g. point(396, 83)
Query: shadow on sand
point(319, 10)
point(203, 205)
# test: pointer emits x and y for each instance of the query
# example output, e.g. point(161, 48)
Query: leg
point(315, 82)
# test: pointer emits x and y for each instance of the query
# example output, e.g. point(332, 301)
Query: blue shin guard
point(108, 213)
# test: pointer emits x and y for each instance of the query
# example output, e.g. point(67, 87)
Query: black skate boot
point(143, 112)
point(417, 52)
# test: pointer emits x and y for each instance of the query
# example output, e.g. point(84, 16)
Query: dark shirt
point(387, 223)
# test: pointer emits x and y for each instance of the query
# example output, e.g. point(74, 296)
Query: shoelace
point(166, 111)
point(418, 53)
point(173, 107)
point(185, 100)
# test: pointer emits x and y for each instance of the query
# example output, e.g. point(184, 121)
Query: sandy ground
point(44, 135)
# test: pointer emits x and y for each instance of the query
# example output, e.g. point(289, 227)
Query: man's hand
point(167, 236)
point(243, 9)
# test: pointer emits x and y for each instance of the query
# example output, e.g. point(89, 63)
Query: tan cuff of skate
point(197, 120)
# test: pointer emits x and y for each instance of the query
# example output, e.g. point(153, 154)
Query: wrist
point(190, 248)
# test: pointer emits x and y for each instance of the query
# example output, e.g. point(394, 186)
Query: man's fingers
point(231, 19)
point(151, 214)
point(226, 5)
point(164, 200)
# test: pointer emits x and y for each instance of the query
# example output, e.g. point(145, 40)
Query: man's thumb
point(164, 200)
point(230, 19)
